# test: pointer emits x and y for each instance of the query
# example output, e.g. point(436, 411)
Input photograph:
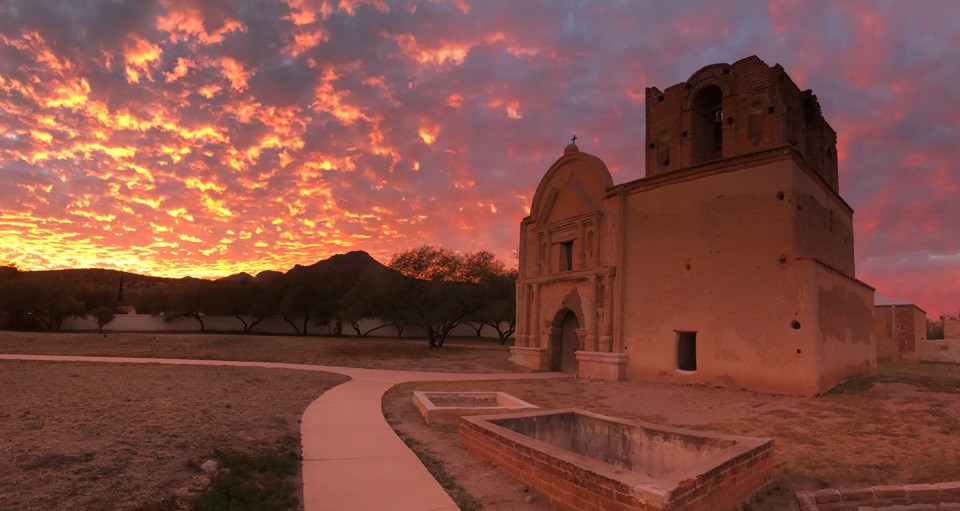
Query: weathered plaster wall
point(899, 329)
point(951, 329)
point(847, 344)
point(823, 223)
point(707, 255)
point(719, 255)
point(939, 350)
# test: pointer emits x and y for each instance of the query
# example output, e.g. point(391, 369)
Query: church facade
point(731, 263)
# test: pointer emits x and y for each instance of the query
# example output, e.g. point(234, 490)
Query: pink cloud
point(204, 138)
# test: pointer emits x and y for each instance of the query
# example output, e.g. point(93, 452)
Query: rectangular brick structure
point(582, 461)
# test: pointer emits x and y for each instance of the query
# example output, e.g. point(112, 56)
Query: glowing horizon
point(183, 137)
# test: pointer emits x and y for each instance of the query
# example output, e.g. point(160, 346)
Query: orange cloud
point(235, 73)
point(184, 22)
point(139, 54)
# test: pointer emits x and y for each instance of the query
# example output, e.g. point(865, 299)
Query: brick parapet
point(937, 496)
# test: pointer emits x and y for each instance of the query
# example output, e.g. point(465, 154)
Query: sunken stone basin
point(579, 460)
point(439, 407)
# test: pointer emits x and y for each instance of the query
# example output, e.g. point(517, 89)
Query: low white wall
point(269, 325)
point(939, 350)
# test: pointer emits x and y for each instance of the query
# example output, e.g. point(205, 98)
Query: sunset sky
point(204, 138)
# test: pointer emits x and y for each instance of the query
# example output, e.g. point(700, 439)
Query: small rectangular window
point(566, 255)
point(687, 351)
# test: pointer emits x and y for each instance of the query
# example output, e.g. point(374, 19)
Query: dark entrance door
point(568, 343)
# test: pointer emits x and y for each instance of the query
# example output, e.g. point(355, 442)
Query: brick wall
point(762, 109)
point(938, 496)
point(569, 487)
point(727, 486)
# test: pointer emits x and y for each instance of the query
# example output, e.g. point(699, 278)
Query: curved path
point(352, 459)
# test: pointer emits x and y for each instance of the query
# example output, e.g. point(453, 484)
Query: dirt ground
point(457, 355)
point(900, 427)
point(95, 434)
point(119, 436)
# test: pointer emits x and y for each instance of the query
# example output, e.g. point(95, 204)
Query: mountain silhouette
point(352, 265)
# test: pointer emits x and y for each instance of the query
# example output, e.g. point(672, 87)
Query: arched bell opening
point(707, 128)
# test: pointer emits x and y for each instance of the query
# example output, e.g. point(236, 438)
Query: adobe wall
point(939, 350)
point(899, 330)
point(708, 255)
point(951, 329)
point(269, 325)
point(844, 323)
point(822, 223)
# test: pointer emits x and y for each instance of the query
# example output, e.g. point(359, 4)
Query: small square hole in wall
point(687, 351)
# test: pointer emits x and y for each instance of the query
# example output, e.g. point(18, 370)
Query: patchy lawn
point(135, 436)
point(901, 426)
point(458, 355)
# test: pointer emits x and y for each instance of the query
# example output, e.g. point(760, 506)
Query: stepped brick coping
point(583, 461)
point(438, 407)
point(907, 497)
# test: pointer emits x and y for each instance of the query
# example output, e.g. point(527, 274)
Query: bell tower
point(728, 110)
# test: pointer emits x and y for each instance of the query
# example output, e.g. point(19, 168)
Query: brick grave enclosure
point(908, 497)
point(717, 472)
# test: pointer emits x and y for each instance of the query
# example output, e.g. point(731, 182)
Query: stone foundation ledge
point(907, 497)
point(601, 365)
point(530, 358)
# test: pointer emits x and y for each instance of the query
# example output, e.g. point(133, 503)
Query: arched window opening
point(707, 124)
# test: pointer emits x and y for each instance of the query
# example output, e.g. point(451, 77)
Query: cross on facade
point(574, 139)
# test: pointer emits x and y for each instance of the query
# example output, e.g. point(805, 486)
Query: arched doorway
point(564, 343)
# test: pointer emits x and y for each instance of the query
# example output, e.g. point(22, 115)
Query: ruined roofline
point(894, 305)
point(756, 107)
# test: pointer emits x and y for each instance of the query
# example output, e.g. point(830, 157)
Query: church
point(730, 263)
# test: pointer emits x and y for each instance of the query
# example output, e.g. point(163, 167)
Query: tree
point(437, 307)
point(368, 298)
point(499, 303)
point(307, 298)
point(427, 263)
point(264, 300)
point(445, 288)
point(437, 263)
point(103, 315)
point(154, 301)
point(233, 298)
point(188, 299)
point(48, 303)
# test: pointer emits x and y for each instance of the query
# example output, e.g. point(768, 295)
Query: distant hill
point(353, 264)
point(97, 278)
point(237, 277)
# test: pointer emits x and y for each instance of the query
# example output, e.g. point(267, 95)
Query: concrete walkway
point(352, 459)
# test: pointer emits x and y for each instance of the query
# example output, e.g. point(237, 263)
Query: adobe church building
point(731, 263)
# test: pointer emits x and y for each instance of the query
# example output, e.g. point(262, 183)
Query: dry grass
point(118, 436)
point(902, 428)
point(122, 435)
point(375, 353)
